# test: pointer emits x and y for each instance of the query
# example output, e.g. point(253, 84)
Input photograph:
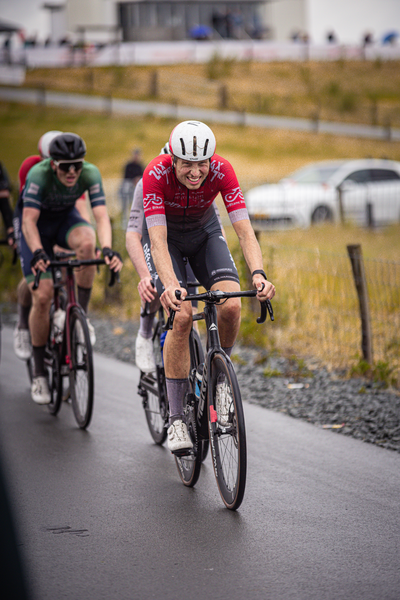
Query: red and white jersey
point(165, 198)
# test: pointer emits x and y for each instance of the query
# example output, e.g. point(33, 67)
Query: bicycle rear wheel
point(81, 372)
point(155, 404)
point(196, 358)
point(227, 431)
point(189, 465)
point(53, 365)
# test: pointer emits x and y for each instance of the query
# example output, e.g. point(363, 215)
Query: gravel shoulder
point(355, 407)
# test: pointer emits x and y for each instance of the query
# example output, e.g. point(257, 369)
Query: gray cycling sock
point(23, 316)
point(176, 390)
point(84, 297)
point(146, 325)
point(38, 361)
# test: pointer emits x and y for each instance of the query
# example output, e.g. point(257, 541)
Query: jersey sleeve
point(33, 192)
point(94, 185)
point(136, 216)
point(230, 190)
point(24, 169)
point(156, 176)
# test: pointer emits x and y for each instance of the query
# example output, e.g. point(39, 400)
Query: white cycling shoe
point(144, 356)
point(22, 343)
point(40, 390)
point(178, 437)
point(92, 333)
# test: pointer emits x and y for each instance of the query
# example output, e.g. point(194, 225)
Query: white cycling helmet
point(45, 141)
point(192, 140)
point(165, 149)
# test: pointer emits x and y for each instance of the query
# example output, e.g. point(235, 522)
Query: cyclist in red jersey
point(178, 192)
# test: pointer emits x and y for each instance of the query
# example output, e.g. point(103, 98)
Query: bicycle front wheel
point(227, 431)
point(81, 372)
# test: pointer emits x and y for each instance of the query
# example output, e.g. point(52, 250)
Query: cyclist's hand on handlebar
point(40, 261)
point(265, 289)
point(169, 299)
point(113, 259)
point(146, 289)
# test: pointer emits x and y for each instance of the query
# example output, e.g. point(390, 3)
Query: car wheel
point(322, 214)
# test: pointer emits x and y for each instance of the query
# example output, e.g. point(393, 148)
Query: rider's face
point(191, 174)
point(70, 177)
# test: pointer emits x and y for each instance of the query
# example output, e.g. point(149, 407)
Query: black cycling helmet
point(67, 146)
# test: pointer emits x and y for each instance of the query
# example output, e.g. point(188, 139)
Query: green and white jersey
point(44, 191)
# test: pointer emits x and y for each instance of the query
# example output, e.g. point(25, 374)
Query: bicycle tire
point(29, 368)
point(81, 380)
point(197, 357)
point(155, 405)
point(227, 435)
point(53, 364)
point(189, 466)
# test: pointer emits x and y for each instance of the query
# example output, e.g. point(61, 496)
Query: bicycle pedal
point(183, 453)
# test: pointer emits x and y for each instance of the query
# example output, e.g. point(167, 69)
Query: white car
point(365, 191)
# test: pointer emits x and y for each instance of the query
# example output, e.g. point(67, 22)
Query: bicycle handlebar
point(214, 297)
point(74, 263)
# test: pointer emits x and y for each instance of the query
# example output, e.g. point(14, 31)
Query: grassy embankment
point(257, 155)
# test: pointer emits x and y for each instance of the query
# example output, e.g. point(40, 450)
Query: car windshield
point(313, 174)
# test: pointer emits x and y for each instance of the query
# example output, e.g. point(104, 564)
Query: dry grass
point(352, 91)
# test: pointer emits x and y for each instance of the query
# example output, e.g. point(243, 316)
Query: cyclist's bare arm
point(30, 230)
point(134, 247)
point(104, 233)
point(253, 256)
point(165, 271)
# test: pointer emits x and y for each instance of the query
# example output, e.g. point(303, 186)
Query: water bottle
point(198, 380)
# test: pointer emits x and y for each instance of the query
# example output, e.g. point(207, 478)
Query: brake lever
point(170, 321)
point(37, 279)
point(114, 277)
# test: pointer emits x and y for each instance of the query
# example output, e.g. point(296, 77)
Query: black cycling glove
point(39, 254)
point(111, 253)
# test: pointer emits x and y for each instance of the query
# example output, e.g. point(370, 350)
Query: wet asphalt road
point(102, 514)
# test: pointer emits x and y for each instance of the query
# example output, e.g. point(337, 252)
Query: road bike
point(208, 418)
point(152, 386)
point(68, 351)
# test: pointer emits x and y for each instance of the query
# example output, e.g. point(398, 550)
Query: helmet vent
point(205, 147)
point(194, 145)
point(183, 146)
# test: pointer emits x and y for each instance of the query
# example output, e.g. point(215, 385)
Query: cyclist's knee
point(183, 319)
point(43, 296)
point(230, 311)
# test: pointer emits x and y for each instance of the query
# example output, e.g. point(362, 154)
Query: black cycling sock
point(38, 361)
point(228, 351)
point(23, 316)
point(146, 325)
point(176, 390)
point(84, 297)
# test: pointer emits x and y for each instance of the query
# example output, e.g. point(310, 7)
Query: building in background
point(317, 21)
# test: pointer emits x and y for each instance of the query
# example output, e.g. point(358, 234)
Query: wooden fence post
point(340, 201)
point(357, 265)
